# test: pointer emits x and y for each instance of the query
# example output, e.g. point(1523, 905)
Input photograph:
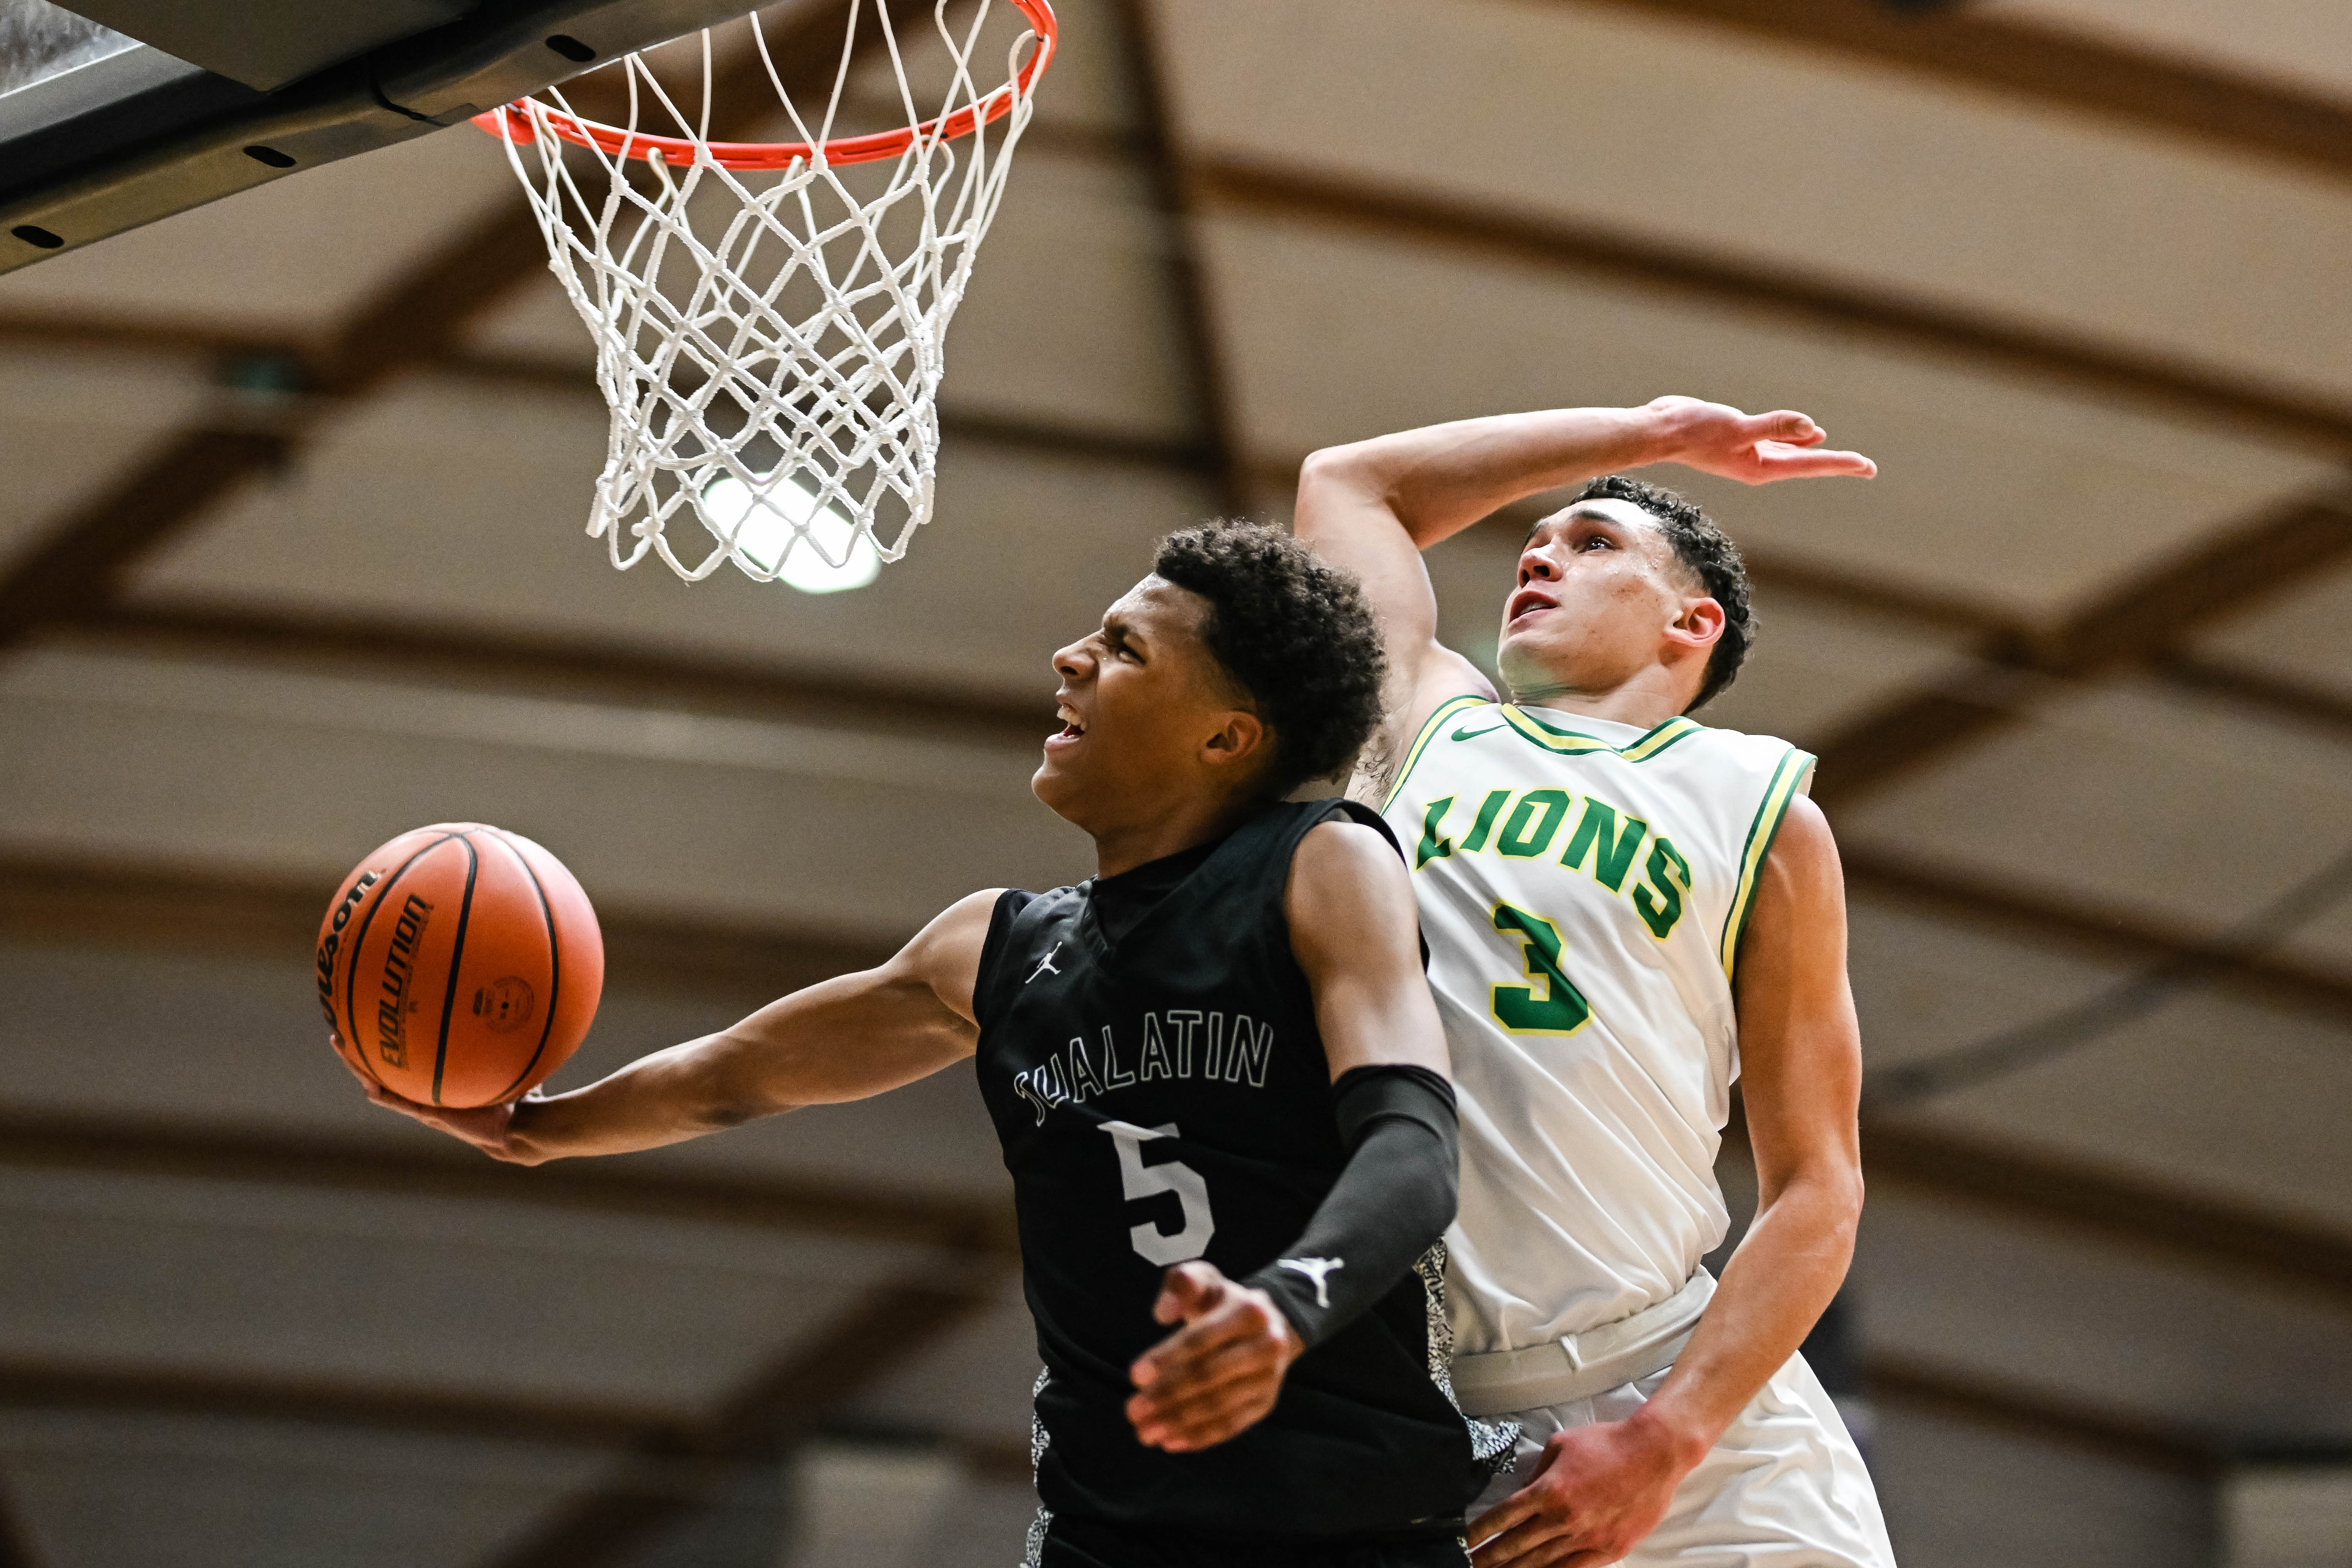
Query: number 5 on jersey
point(1138, 1180)
point(1550, 1005)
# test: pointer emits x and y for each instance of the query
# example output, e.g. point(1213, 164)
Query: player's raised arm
point(1373, 506)
point(846, 1038)
point(1357, 939)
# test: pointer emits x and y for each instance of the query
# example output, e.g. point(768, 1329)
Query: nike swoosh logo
point(1473, 734)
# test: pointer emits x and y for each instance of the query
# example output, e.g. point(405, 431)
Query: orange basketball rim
point(677, 150)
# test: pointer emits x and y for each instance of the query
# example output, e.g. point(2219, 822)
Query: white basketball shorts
point(1784, 1486)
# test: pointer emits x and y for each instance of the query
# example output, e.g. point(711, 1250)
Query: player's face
point(1601, 597)
point(1142, 703)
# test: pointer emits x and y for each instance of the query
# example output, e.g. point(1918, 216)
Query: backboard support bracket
point(204, 145)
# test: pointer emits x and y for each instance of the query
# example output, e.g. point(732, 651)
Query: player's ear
point(1700, 624)
point(1240, 740)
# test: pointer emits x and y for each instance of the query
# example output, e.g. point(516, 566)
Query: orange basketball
point(461, 963)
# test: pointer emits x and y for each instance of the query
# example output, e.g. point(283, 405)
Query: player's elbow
point(1827, 1192)
point(1836, 1193)
point(1333, 470)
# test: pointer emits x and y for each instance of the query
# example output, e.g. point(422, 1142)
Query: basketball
point(460, 964)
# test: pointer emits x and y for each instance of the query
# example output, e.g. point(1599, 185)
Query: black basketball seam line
point(554, 961)
point(456, 960)
point(351, 990)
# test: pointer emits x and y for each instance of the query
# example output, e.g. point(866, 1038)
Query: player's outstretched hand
point(1219, 1373)
point(1596, 1492)
point(487, 1128)
point(1754, 448)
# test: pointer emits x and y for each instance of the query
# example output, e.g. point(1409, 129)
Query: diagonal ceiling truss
point(1786, 295)
point(2231, 569)
point(2053, 65)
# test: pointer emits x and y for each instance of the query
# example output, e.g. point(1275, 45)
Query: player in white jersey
point(1625, 911)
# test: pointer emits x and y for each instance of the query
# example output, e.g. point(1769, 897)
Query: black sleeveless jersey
point(1166, 1096)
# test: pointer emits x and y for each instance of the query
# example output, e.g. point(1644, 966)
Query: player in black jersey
point(1219, 1079)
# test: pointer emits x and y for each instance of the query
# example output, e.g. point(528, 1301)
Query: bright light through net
point(787, 535)
point(770, 322)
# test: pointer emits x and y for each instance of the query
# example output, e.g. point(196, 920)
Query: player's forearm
point(1390, 1203)
point(1787, 1267)
point(670, 1097)
point(1440, 478)
point(844, 1038)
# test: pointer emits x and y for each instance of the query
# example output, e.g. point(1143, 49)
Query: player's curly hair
point(1712, 558)
point(1295, 631)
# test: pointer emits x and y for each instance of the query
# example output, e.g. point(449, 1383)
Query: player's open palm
point(484, 1127)
point(1597, 1491)
point(1755, 448)
point(1219, 1373)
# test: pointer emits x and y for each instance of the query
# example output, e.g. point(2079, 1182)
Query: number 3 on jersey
point(1138, 1180)
point(1548, 1006)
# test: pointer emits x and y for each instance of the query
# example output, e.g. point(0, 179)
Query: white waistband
point(1578, 1366)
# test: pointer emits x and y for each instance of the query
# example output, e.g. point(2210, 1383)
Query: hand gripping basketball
point(459, 966)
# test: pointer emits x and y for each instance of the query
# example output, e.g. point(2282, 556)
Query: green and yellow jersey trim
point(1575, 742)
point(1761, 832)
point(1429, 729)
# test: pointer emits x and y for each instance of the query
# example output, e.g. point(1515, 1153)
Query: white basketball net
point(771, 354)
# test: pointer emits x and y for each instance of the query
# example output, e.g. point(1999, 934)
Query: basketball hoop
point(769, 331)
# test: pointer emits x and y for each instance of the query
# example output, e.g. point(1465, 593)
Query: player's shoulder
point(1346, 846)
point(1767, 750)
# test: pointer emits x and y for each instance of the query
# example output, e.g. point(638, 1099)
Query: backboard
point(128, 111)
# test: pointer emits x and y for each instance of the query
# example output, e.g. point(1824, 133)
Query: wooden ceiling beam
point(1143, 53)
point(586, 668)
point(175, 338)
point(1786, 296)
point(191, 908)
point(2052, 66)
point(48, 1382)
point(2038, 1416)
point(75, 564)
point(1893, 1381)
point(1993, 904)
point(55, 1383)
point(81, 559)
point(414, 1166)
point(2230, 569)
point(2026, 1184)
point(2303, 703)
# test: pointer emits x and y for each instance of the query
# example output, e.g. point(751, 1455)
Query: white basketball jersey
point(1583, 884)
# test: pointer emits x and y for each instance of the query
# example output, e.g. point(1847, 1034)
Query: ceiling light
point(788, 525)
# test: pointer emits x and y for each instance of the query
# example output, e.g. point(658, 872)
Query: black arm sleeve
point(1393, 1199)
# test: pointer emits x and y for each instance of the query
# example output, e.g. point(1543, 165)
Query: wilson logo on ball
point(332, 941)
